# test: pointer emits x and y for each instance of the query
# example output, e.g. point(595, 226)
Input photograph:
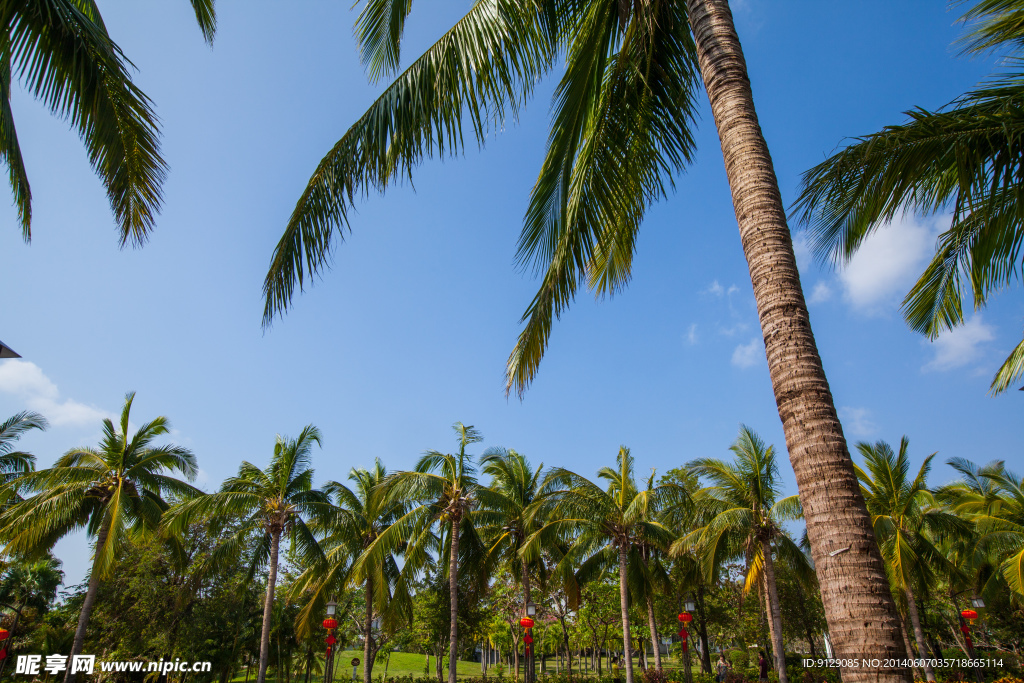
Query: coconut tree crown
point(121, 487)
point(264, 503)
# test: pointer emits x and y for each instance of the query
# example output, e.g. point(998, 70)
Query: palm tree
point(61, 51)
point(744, 511)
point(997, 510)
point(604, 526)
point(628, 92)
point(965, 158)
point(14, 464)
point(116, 492)
point(363, 516)
point(510, 511)
point(906, 524)
point(265, 506)
point(29, 585)
point(442, 491)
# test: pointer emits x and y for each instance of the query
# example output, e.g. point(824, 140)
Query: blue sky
point(410, 330)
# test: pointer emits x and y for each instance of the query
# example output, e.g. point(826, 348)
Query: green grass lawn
point(407, 664)
point(401, 664)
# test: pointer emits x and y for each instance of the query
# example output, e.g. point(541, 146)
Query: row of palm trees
point(628, 91)
point(551, 525)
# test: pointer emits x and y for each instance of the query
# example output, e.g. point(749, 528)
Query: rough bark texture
point(915, 621)
point(624, 603)
point(268, 607)
point(861, 615)
point(453, 588)
point(774, 613)
point(653, 624)
point(90, 599)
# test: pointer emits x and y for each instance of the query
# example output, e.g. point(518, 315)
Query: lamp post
point(685, 618)
point(331, 624)
point(962, 616)
point(527, 623)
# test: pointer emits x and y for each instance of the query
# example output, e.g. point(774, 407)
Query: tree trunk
point(268, 606)
point(915, 621)
point(654, 633)
point(515, 657)
point(705, 647)
point(368, 651)
point(528, 650)
point(90, 598)
point(855, 592)
point(910, 649)
point(774, 613)
point(624, 604)
point(453, 588)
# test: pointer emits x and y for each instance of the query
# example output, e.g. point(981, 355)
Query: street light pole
point(331, 624)
point(685, 618)
point(527, 623)
point(965, 629)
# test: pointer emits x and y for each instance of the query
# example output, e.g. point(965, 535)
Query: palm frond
point(479, 71)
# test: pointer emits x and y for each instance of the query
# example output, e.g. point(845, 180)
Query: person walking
point(763, 664)
point(722, 667)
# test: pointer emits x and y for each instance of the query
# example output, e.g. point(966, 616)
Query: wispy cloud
point(857, 422)
point(959, 346)
point(821, 293)
point(37, 392)
point(887, 264)
point(691, 334)
point(714, 289)
point(748, 355)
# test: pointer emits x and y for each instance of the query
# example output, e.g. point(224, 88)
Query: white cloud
point(959, 346)
point(821, 293)
point(691, 334)
point(747, 355)
point(887, 264)
point(27, 381)
point(715, 289)
point(857, 422)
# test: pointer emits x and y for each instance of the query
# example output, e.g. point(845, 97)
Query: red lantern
point(3, 654)
point(4, 634)
point(969, 614)
point(526, 622)
point(686, 617)
point(330, 623)
point(331, 640)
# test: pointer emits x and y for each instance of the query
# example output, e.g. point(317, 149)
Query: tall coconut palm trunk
point(368, 652)
point(624, 603)
point(915, 621)
point(268, 606)
point(453, 588)
point(910, 648)
point(774, 613)
point(90, 599)
point(654, 633)
point(528, 651)
point(859, 608)
point(705, 650)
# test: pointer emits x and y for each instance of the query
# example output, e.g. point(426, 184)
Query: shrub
point(652, 675)
point(739, 659)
